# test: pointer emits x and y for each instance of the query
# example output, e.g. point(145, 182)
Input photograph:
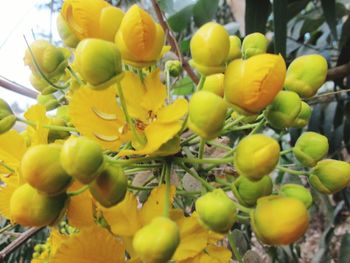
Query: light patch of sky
point(18, 18)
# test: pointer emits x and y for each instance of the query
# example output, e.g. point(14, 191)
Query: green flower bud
point(310, 148)
point(41, 85)
point(66, 34)
point(330, 176)
point(7, 118)
point(51, 60)
point(55, 134)
point(157, 241)
point(254, 44)
point(49, 101)
point(216, 211)
point(256, 156)
point(82, 158)
point(303, 117)
point(282, 112)
point(42, 169)
point(5, 109)
point(279, 220)
point(98, 62)
point(28, 207)
point(215, 83)
point(297, 191)
point(207, 113)
point(248, 192)
point(306, 74)
point(235, 48)
point(174, 67)
point(109, 187)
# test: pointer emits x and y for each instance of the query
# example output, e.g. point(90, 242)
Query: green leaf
point(256, 14)
point(295, 7)
point(311, 25)
point(180, 20)
point(204, 11)
point(183, 87)
point(330, 15)
point(280, 26)
point(167, 6)
point(344, 252)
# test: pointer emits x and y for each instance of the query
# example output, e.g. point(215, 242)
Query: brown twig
point(338, 72)
point(18, 242)
point(15, 87)
point(173, 43)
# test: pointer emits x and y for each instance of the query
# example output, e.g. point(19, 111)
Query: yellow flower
point(145, 103)
point(37, 134)
point(92, 18)
point(140, 39)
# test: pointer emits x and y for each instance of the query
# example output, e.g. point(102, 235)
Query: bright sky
point(18, 18)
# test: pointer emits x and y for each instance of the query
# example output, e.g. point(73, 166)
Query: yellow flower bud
point(92, 18)
point(28, 207)
point(279, 220)
point(210, 47)
point(49, 101)
point(216, 211)
point(55, 134)
point(252, 84)
point(284, 109)
point(235, 48)
point(207, 112)
point(63, 113)
point(139, 38)
point(7, 118)
point(66, 34)
point(215, 83)
point(248, 192)
point(306, 74)
point(82, 158)
point(254, 44)
point(310, 148)
point(98, 62)
point(42, 169)
point(303, 117)
point(41, 85)
point(174, 67)
point(109, 187)
point(256, 155)
point(297, 191)
point(51, 60)
point(157, 241)
point(330, 176)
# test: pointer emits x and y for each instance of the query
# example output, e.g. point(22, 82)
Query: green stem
point(225, 156)
point(205, 161)
point(291, 171)
point(201, 83)
point(219, 145)
point(139, 188)
point(6, 228)
point(75, 75)
point(234, 248)
point(240, 128)
point(79, 191)
point(234, 122)
point(286, 151)
point(162, 174)
point(166, 211)
point(2, 163)
point(188, 139)
point(130, 161)
point(168, 86)
point(258, 126)
point(201, 150)
point(145, 165)
point(51, 127)
point(242, 208)
point(186, 193)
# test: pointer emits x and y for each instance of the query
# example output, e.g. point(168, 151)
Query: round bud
point(279, 220)
point(82, 158)
point(56, 134)
point(216, 211)
point(306, 74)
point(28, 207)
point(41, 85)
point(42, 169)
point(235, 48)
point(310, 148)
point(254, 44)
point(256, 156)
point(330, 176)
point(157, 241)
point(210, 46)
point(7, 123)
point(207, 113)
point(174, 67)
point(248, 192)
point(284, 109)
point(109, 187)
point(303, 117)
point(215, 83)
point(49, 101)
point(297, 191)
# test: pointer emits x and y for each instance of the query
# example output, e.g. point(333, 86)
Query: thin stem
point(291, 171)
point(225, 156)
point(201, 83)
point(140, 188)
point(286, 151)
point(162, 174)
point(6, 228)
point(219, 145)
point(48, 126)
point(201, 148)
point(258, 126)
point(79, 191)
point(206, 161)
point(234, 122)
point(240, 128)
point(166, 211)
point(242, 208)
point(168, 86)
point(130, 161)
point(234, 248)
point(74, 75)
point(188, 139)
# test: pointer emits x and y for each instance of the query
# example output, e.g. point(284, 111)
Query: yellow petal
point(124, 217)
point(93, 244)
point(134, 91)
point(55, 240)
point(95, 114)
point(173, 112)
point(6, 192)
point(154, 205)
point(155, 94)
point(193, 238)
point(219, 254)
point(110, 19)
point(37, 134)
